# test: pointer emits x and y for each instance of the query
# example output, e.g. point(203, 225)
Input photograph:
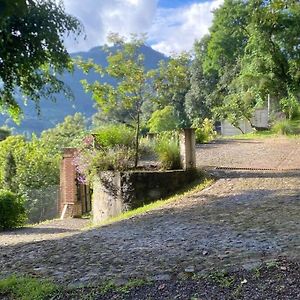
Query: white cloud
point(100, 17)
point(169, 29)
point(175, 30)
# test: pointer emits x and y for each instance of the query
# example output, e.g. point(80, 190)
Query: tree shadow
point(35, 230)
point(223, 172)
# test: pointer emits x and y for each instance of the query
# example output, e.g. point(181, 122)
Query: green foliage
point(109, 148)
point(163, 120)
point(171, 82)
point(12, 210)
point(9, 172)
point(252, 51)
point(126, 66)
point(26, 288)
point(222, 278)
point(290, 106)
point(204, 131)
point(113, 135)
point(35, 168)
point(198, 100)
point(32, 51)
point(167, 149)
point(283, 127)
point(69, 133)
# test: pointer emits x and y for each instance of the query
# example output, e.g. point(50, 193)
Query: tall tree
point(32, 52)
point(69, 133)
point(199, 100)
point(126, 66)
point(254, 50)
point(171, 83)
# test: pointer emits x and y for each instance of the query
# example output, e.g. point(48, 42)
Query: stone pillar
point(188, 149)
point(68, 202)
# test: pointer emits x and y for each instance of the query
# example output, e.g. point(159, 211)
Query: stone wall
point(116, 192)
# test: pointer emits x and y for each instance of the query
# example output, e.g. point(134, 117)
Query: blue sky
point(176, 3)
point(171, 25)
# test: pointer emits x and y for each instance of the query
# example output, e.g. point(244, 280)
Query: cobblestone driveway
point(244, 218)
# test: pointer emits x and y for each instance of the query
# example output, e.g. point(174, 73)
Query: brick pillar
point(68, 187)
point(188, 149)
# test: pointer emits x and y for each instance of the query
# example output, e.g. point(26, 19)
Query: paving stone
point(255, 220)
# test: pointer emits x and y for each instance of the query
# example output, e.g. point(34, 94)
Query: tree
point(126, 66)
point(32, 52)
point(171, 83)
point(163, 120)
point(253, 48)
point(31, 170)
point(9, 170)
point(69, 133)
point(199, 100)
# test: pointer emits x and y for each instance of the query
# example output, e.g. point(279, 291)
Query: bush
point(12, 210)
point(290, 106)
point(163, 120)
point(113, 149)
point(204, 131)
point(167, 148)
point(283, 127)
point(113, 135)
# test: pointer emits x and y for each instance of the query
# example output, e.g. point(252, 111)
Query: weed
point(222, 278)
point(272, 264)
point(257, 273)
point(107, 287)
point(26, 288)
point(133, 283)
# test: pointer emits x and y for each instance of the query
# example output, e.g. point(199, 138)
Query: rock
point(189, 269)
point(162, 277)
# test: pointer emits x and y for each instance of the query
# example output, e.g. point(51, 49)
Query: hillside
point(54, 112)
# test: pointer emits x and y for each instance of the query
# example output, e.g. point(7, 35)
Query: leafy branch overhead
point(32, 51)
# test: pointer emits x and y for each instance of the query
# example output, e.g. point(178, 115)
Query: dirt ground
point(246, 220)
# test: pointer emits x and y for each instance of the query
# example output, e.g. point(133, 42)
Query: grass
point(26, 288)
point(252, 135)
point(189, 190)
point(293, 128)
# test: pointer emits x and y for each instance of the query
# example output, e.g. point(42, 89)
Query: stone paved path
point(244, 218)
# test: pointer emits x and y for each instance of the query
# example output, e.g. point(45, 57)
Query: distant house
point(260, 120)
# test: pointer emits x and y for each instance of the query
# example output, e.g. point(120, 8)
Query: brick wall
point(68, 187)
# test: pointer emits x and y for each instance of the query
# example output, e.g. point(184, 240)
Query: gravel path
point(245, 218)
point(271, 153)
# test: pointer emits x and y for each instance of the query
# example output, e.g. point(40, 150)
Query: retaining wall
point(116, 192)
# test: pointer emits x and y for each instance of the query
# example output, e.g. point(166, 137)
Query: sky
point(171, 25)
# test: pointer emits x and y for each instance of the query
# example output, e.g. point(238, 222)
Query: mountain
point(55, 112)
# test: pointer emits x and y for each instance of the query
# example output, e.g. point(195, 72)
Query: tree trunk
point(136, 158)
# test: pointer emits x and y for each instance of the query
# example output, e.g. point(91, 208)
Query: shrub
point(113, 135)
point(290, 106)
point(283, 127)
point(204, 131)
point(113, 149)
point(163, 120)
point(167, 148)
point(12, 211)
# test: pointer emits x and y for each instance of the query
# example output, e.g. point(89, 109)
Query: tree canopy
point(132, 89)
point(32, 51)
point(252, 50)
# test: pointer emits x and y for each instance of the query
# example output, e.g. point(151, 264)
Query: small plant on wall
point(109, 148)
